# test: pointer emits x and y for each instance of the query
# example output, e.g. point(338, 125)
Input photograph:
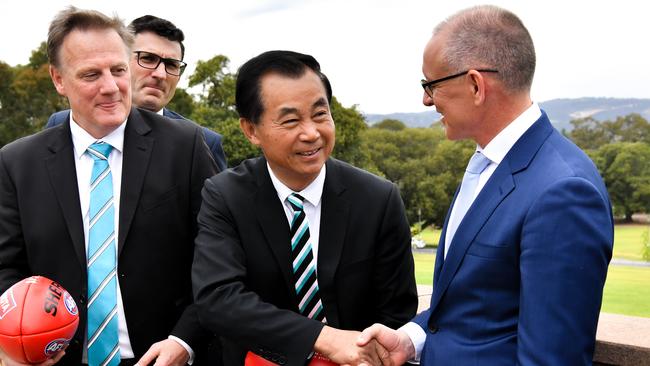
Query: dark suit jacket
point(41, 232)
point(523, 279)
point(212, 139)
point(242, 272)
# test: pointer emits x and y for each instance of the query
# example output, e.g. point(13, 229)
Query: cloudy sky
point(372, 49)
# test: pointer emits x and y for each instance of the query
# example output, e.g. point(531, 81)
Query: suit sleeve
point(188, 327)
point(13, 259)
point(394, 281)
point(217, 152)
point(565, 248)
point(226, 304)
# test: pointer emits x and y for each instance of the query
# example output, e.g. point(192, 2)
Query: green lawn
point(430, 236)
point(627, 241)
point(627, 289)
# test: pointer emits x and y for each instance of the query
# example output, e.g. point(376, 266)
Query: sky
point(371, 50)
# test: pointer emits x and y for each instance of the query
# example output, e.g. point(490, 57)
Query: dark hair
point(72, 18)
point(286, 63)
point(160, 26)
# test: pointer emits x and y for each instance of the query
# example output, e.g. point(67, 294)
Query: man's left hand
point(165, 353)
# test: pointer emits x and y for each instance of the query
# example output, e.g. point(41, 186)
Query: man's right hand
point(341, 347)
point(397, 343)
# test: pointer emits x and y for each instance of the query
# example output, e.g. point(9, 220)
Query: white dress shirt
point(312, 205)
point(496, 150)
point(81, 140)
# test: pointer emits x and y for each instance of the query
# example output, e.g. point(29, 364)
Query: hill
point(560, 111)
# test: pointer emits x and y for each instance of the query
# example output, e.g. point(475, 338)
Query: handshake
point(375, 346)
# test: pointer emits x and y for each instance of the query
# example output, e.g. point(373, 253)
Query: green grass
point(627, 290)
point(627, 241)
point(430, 236)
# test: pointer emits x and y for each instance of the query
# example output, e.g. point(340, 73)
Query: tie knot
point(478, 163)
point(99, 150)
point(295, 200)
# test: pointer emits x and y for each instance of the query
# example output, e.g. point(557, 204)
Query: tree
point(625, 167)
point(426, 167)
point(218, 85)
point(182, 102)
point(27, 97)
point(588, 133)
point(349, 126)
point(390, 124)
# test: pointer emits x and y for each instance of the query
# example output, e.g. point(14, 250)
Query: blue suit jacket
point(523, 279)
point(212, 139)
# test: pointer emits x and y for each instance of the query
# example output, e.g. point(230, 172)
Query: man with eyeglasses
point(524, 251)
point(156, 67)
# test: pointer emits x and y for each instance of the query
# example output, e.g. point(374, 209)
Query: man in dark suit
point(523, 254)
point(153, 171)
point(156, 66)
point(295, 249)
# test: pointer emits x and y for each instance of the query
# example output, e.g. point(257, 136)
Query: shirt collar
point(497, 149)
point(81, 139)
point(312, 193)
point(160, 112)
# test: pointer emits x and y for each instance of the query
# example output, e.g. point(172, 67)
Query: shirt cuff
point(186, 346)
point(417, 336)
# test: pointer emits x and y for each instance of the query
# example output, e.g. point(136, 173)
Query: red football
point(38, 318)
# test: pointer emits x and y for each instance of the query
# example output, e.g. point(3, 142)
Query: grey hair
point(72, 18)
point(487, 36)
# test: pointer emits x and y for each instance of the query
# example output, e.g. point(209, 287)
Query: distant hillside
point(560, 111)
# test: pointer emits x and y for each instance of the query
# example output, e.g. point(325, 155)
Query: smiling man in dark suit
point(156, 66)
point(298, 251)
point(105, 204)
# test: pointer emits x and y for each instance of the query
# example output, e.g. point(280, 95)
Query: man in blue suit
point(524, 250)
point(156, 66)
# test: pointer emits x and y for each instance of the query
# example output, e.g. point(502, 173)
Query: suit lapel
point(63, 178)
point(497, 188)
point(335, 207)
point(272, 219)
point(135, 160)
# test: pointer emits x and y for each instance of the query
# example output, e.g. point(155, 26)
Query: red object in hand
point(317, 360)
point(38, 318)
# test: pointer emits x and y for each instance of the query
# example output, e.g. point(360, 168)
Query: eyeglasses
point(151, 61)
point(429, 86)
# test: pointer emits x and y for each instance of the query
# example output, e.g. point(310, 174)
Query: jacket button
point(433, 329)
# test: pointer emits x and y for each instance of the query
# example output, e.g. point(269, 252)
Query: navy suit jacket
point(523, 279)
point(212, 139)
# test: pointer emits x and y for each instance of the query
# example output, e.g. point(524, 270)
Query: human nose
point(160, 71)
point(427, 100)
point(109, 84)
point(310, 131)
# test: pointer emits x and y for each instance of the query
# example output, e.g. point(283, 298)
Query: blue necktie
point(475, 167)
point(304, 265)
point(103, 345)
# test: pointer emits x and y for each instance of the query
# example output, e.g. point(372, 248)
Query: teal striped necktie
point(103, 337)
point(304, 265)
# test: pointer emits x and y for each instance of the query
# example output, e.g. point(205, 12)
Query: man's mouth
point(309, 153)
